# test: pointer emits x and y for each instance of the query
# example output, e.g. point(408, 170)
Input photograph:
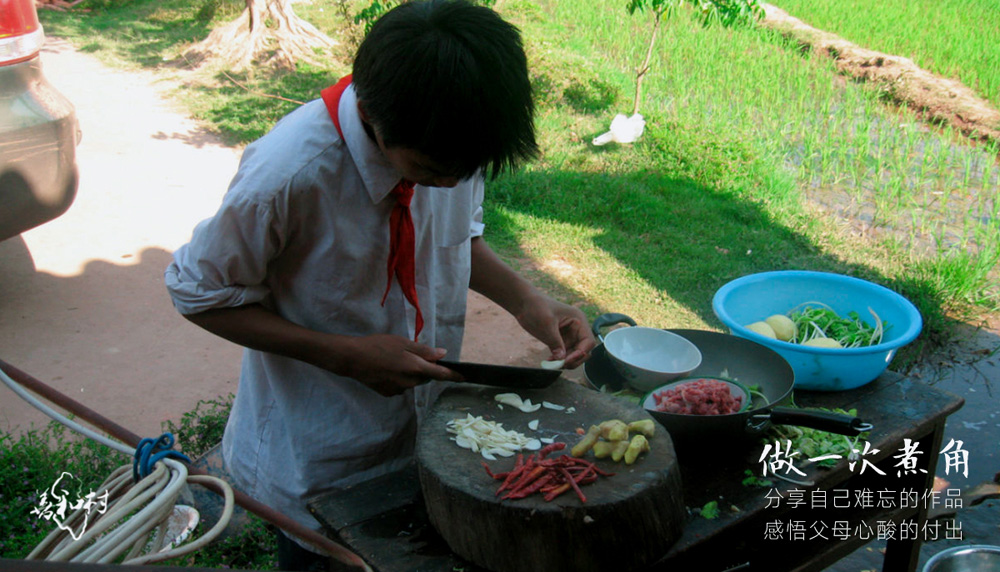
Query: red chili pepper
point(550, 448)
point(556, 492)
point(519, 467)
point(548, 476)
point(488, 471)
point(530, 477)
point(576, 487)
point(530, 489)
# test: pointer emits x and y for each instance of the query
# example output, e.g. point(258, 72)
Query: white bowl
point(649, 357)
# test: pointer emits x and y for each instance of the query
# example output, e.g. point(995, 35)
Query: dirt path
point(82, 302)
point(937, 99)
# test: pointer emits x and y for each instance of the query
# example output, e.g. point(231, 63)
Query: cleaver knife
point(504, 375)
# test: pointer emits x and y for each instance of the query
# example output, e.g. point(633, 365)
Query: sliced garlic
point(553, 364)
point(514, 400)
point(489, 438)
point(547, 440)
point(552, 406)
point(529, 407)
point(533, 425)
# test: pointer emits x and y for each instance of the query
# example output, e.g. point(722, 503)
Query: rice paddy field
point(953, 39)
point(874, 166)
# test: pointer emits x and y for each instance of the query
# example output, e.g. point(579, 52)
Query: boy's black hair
point(449, 79)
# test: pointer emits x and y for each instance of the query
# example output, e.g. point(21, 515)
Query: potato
point(783, 326)
point(587, 443)
point(763, 329)
point(822, 343)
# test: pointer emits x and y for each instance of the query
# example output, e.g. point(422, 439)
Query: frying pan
point(735, 358)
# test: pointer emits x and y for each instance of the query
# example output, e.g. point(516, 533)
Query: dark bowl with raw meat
point(754, 366)
point(702, 395)
point(759, 372)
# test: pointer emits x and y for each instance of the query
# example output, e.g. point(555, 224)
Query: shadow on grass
point(680, 237)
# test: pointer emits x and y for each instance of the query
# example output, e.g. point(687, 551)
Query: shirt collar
point(377, 173)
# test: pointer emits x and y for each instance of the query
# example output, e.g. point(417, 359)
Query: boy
point(345, 288)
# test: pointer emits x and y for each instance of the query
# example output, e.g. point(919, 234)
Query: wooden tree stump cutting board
point(629, 520)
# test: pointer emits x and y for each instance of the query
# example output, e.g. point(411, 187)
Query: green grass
point(787, 164)
point(951, 38)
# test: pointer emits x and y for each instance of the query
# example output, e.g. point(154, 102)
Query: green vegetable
point(811, 443)
point(625, 394)
point(757, 399)
point(752, 480)
point(817, 320)
point(710, 510)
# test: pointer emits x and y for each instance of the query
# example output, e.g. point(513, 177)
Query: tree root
point(267, 33)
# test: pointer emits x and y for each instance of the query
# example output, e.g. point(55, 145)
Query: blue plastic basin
point(754, 297)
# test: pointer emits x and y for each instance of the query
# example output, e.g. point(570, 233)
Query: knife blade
point(504, 375)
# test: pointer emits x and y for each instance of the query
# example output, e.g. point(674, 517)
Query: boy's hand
point(561, 327)
point(392, 364)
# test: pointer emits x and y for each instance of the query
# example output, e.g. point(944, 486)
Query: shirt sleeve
point(225, 263)
point(477, 225)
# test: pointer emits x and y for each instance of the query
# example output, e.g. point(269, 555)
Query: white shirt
point(304, 230)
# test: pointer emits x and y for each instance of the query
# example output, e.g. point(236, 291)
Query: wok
point(744, 361)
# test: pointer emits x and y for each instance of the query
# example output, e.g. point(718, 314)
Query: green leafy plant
point(710, 510)
point(33, 461)
point(750, 479)
point(254, 548)
point(724, 12)
point(202, 428)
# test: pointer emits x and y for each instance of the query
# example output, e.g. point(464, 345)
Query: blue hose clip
point(150, 451)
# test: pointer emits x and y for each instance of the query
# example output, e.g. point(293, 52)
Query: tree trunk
point(641, 72)
point(267, 33)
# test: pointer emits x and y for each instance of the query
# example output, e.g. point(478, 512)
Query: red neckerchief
point(402, 240)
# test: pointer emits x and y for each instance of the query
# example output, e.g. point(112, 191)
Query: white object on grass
point(623, 130)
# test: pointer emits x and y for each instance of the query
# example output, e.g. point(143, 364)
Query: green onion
point(815, 320)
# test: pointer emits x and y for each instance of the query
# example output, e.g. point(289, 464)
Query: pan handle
point(610, 319)
point(822, 420)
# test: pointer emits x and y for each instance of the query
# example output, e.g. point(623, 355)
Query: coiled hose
point(135, 522)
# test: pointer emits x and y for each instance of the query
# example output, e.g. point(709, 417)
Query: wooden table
point(384, 521)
